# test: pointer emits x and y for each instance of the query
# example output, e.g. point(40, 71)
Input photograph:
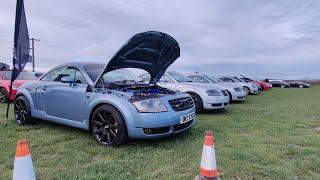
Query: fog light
point(160, 130)
point(147, 131)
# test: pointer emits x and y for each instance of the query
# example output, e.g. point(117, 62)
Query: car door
point(65, 101)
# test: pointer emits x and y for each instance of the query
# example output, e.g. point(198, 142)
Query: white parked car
point(235, 90)
point(249, 88)
point(205, 96)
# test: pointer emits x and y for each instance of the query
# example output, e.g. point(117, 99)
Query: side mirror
point(67, 79)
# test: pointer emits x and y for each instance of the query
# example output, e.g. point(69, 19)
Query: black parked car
point(298, 84)
point(279, 83)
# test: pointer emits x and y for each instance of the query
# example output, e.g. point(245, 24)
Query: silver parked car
point(249, 88)
point(235, 91)
point(205, 96)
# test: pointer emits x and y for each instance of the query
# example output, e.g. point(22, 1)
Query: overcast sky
point(275, 39)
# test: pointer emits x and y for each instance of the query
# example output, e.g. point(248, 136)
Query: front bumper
point(238, 96)
point(215, 102)
point(157, 125)
point(160, 132)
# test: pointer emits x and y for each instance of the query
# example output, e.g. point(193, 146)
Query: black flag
point(21, 45)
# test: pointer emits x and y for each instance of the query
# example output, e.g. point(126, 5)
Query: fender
point(122, 105)
point(197, 92)
point(6, 87)
point(26, 94)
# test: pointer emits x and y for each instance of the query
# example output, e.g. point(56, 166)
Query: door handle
point(44, 88)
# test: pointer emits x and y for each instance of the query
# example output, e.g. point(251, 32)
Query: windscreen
point(179, 77)
point(120, 76)
point(237, 79)
point(213, 79)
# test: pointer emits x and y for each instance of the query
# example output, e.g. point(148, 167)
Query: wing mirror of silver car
point(68, 79)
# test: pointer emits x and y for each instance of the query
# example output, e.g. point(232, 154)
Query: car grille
point(219, 104)
point(181, 104)
point(225, 93)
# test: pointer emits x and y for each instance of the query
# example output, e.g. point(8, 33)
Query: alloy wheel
point(105, 127)
point(197, 102)
point(20, 111)
point(246, 90)
point(3, 95)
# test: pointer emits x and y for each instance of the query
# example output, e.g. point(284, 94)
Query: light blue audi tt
point(110, 100)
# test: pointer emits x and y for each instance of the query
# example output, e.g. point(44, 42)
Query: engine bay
point(136, 91)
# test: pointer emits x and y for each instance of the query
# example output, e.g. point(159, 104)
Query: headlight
point(150, 105)
point(213, 92)
point(254, 86)
point(238, 89)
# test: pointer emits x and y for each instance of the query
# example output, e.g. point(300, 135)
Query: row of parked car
point(287, 84)
point(117, 104)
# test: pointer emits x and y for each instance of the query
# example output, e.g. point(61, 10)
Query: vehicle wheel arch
point(230, 95)
point(199, 96)
point(6, 91)
point(18, 95)
point(196, 93)
point(245, 86)
point(105, 103)
point(7, 88)
point(27, 96)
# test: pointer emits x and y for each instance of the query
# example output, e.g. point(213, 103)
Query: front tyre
point(108, 126)
point(22, 111)
point(3, 95)
point(197, 102)
point(230, 96)
point(246, 90)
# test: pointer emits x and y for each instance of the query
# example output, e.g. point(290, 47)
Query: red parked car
point(5, 77)
point(263, 85)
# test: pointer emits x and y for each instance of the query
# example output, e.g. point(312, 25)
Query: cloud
point(277, 38)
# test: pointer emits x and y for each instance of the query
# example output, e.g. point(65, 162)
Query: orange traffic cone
point(208, 165)
point(23, 168)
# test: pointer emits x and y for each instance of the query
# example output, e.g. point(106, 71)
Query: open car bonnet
point(151, 51)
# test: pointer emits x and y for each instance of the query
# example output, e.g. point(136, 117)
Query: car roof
point(225, 77)
point(79, 64)
point(196, 74)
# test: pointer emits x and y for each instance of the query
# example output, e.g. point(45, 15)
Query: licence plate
point(187, 118)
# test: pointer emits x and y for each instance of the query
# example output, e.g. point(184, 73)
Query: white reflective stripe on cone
point(23, 169)
point(208, 159)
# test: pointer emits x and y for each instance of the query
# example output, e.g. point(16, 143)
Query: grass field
point(270, 136)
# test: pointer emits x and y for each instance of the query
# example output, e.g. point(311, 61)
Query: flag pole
point(21, 48)
point(8, 105)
